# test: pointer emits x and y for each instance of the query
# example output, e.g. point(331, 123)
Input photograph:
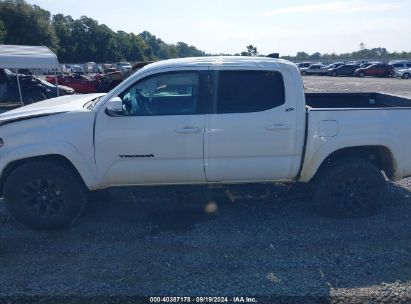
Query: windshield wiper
point(92, 103)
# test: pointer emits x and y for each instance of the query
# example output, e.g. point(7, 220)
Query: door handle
point(188, 130)
point(278, 126)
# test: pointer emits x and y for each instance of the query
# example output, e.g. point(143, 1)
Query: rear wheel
point(303, 73)
point(362, 74)
point(334, 74)
point(44, 195)
point(349, 187)
point(406, 76)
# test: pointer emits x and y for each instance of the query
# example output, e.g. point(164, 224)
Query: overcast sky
point(271, 25)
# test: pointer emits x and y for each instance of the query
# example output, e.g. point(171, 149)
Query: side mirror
point(114, 107)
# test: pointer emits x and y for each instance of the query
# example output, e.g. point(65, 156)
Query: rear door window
point(248, 91)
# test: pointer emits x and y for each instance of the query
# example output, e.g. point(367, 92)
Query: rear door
point(251, 133)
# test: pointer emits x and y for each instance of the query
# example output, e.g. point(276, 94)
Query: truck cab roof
point(232, 61)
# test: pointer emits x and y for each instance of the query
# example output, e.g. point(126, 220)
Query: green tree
point(251, 51)
point(302, 56)
point(27, 24)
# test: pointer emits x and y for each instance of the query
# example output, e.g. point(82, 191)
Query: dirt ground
point(259, 240)
point(394, 86)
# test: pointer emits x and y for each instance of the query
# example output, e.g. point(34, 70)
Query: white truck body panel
point(236, 147)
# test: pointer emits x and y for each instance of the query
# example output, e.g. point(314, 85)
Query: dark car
point(343, 70)
point(378, 70)
point(32, 88)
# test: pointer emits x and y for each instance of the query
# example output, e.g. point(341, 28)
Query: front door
point(159, 138)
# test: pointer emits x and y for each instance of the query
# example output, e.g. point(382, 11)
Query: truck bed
point(356, 100)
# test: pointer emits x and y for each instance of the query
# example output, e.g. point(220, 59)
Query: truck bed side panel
point(389, 128)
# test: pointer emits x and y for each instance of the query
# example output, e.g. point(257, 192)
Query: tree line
point(363, 53)
point(83, 39)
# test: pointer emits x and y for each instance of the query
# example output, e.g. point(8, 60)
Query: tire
point(303, 73)
point(406, 76)
point(349, 188)
point(44, 195)
point(30, 97)
point(362, 74)
point(334, 74)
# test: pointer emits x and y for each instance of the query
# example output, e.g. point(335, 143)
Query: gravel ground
point(259, 240)
point(395, 86)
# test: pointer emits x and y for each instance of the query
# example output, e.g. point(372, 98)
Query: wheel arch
point(10, 167)
point(380, 156)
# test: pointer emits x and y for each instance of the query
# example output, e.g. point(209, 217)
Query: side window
point(162, 94)
point(408, 65)
point(248, 91)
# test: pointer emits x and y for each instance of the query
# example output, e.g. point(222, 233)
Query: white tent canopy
point(27, 57)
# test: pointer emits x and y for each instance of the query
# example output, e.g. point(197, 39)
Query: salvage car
point(315, 69)
point(80, 83)
point(404, 74)
point(304, 65)
point(343, 70)
point(208, 120)
point(124, 67)
point(33, 89)
point(400, 65)
point(378, 70)
point(109, 81)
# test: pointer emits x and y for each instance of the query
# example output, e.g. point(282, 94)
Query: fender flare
point(313, 163)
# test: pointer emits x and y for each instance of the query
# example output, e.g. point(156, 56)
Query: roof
point(27, 57)
point(236, 61)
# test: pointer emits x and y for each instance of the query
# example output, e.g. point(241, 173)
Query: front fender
point(67, 150)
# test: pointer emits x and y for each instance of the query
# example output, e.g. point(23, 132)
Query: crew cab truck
point(210, 120)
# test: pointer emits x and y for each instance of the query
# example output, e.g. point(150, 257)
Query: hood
point(51, 106)
point(65, 88)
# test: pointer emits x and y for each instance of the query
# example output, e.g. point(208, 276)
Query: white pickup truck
point(202, 121)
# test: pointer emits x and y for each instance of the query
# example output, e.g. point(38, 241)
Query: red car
point(80, 83)
point(380, 69)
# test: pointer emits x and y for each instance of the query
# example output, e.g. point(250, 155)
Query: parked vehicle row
point(98, 83)
point(377, 69)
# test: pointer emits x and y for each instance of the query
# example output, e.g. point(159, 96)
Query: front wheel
point(406, 76)
point(362, 74)
point(44, 195)
point(349, 188)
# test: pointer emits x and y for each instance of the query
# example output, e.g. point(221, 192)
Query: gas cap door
point(327, 128)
